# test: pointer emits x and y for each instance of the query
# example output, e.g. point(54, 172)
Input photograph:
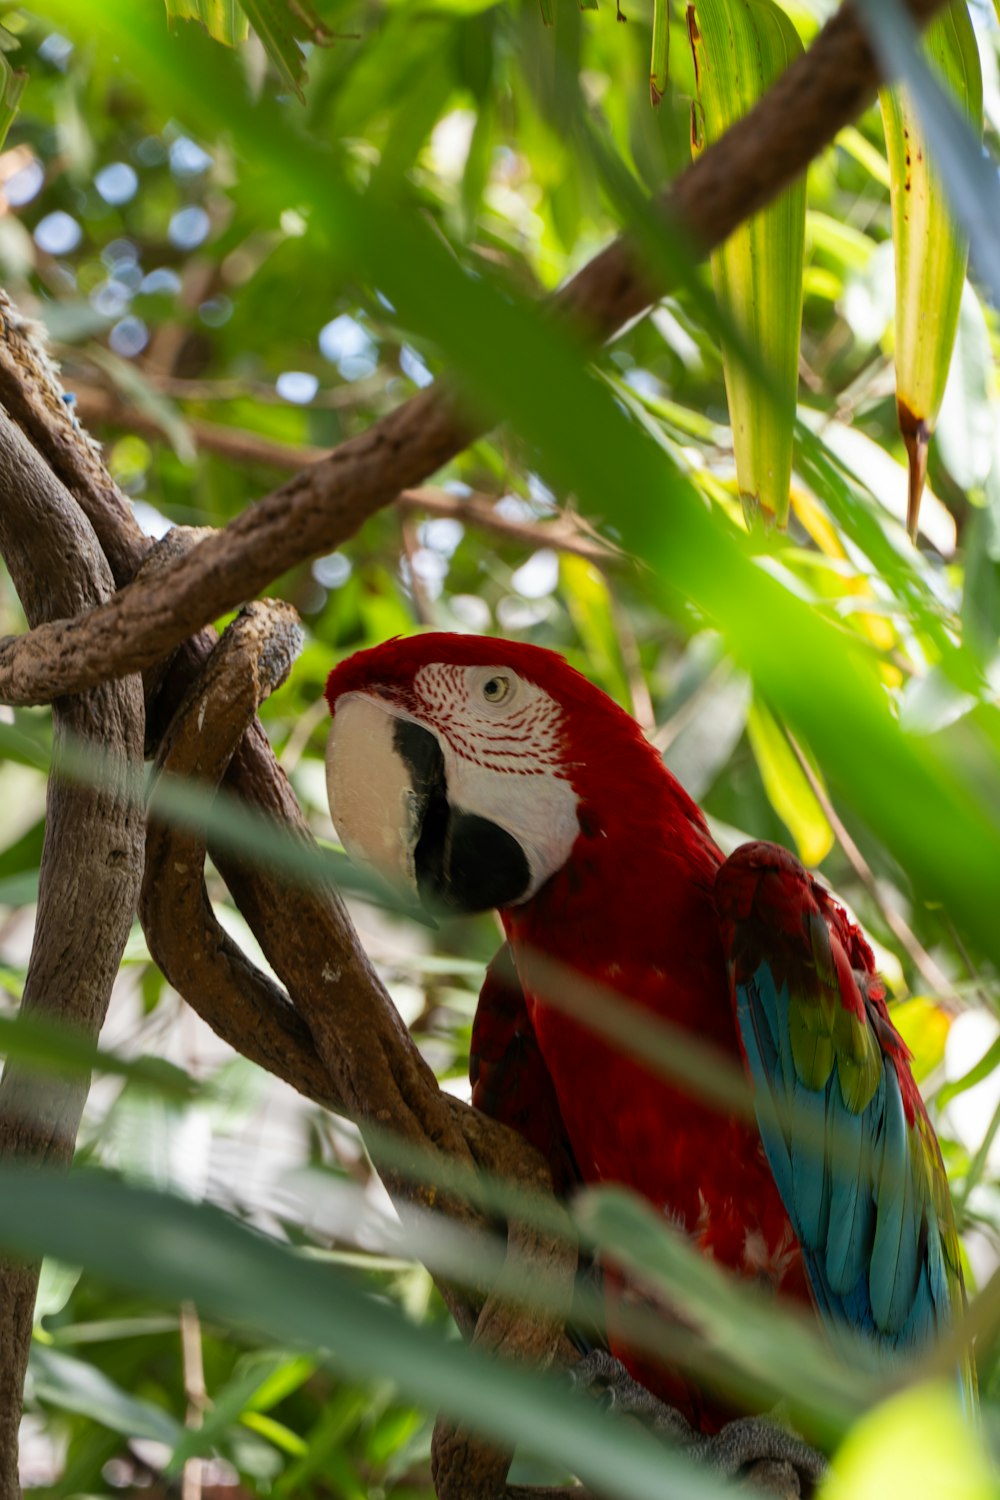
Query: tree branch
point(91, 864)
point(322, 506)
point(356, 1055)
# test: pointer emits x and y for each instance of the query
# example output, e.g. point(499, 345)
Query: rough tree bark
point(81, 637)
point(91, 863)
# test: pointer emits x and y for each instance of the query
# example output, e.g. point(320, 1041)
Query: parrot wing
point(844, 1128)
point(510, 1081)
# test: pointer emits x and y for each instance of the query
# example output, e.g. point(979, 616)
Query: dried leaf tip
point(916, 435)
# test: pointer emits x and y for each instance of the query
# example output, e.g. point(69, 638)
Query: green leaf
point(967, 421)
point(230, 1406)
point(171, 1249)
point(225, 20)
point(788, 791)
point(924, 1026)
point(916, 1443)
point(12, 84)
point(55, 1287)
point(660, 59)
point(931, 251)
point(280, 24)
point(72, 1385)
point(740, 47)
point(589, 602)
point(970, 177)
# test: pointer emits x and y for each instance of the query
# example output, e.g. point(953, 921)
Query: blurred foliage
point(216, 334)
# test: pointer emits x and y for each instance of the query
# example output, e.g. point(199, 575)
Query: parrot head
point(458, 766)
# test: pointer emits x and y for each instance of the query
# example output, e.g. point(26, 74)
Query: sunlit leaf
point(916, 1443)
point(589, 604)
point(225, 20)
point(930, 250)
point(740, 47)
point(924, 1027)
point(790, 794)
point(12, 84)
point(969, 177)
point(967, 422)
point(281, 25)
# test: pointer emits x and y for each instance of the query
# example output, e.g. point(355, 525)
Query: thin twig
point(196, 1393)
point(934, 976)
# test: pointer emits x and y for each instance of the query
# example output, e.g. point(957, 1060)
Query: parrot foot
point(757, 1450)
point(607, 1378)
point(767, 1455)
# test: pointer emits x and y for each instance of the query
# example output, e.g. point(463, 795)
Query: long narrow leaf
point(970, 177)
point(740, 47)
point(171, 1249)
point(931, 252)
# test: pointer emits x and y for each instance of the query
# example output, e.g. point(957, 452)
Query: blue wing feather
point(858, 1172)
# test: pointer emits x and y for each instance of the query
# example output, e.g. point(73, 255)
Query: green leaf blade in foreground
point(916, 1443)
point(740, 47)
point(224, 20)
point(826, 1393)
point(931, 251)
point(179, 1251)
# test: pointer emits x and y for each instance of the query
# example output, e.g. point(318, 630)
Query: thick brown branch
point(31, 393)
point(241, 1004)
point(373, 1069)
point(91, 863)
point(322, 506)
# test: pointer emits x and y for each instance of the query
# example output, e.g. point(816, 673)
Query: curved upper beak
point(376, 802)
point(387, 782)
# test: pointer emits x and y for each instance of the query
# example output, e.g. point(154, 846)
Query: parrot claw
point(758, 1450)
point(610, 1382)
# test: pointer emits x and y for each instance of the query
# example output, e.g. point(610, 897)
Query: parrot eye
point(496, 689)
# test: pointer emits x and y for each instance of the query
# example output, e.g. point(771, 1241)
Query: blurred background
point(214, 347)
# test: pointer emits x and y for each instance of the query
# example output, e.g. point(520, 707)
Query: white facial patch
point(504, 760)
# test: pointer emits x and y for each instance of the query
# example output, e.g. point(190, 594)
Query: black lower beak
point(463, 863)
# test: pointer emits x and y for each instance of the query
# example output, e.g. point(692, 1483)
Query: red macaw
point(477, 773)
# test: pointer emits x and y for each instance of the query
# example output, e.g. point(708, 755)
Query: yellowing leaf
point(589, 603)
point(788, 791)
point(916, 1443)
point(931, 252)
point(924, 1027)
point(740, 47)
point(224, 20)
